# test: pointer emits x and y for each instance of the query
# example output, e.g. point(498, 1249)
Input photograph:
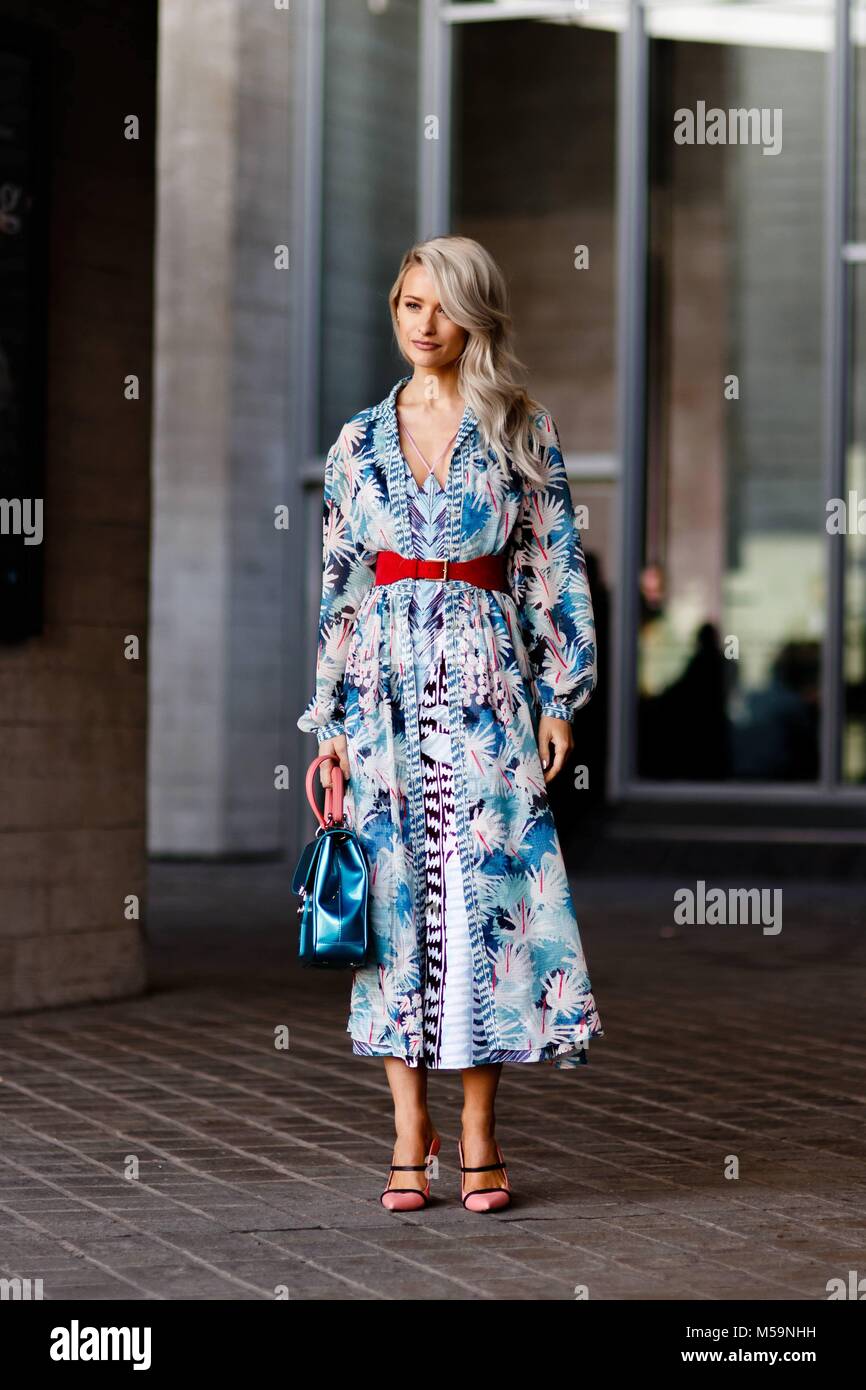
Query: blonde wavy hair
point(473, 292)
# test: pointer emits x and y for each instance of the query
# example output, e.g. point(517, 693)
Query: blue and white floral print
point(510, 658)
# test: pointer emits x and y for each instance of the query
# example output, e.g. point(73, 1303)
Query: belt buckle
point(444, 569)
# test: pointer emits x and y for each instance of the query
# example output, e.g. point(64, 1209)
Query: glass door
point(733, 595)
point(533, 119)
point(853, 511)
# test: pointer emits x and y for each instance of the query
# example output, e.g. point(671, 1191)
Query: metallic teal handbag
point(332, 880)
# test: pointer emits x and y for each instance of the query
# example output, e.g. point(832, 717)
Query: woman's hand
point(337, 746)
point(558, 733)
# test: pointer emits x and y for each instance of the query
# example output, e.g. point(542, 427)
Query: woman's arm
point(548, 581)
point(347, 574)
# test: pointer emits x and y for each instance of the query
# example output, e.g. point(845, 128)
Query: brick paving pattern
point(163, 1147)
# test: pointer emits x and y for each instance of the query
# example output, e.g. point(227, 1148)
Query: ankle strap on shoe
point(485, 1168)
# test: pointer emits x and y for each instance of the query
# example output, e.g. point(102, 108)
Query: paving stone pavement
point(164, 1147)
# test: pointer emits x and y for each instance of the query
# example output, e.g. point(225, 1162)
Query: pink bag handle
point(333, 794)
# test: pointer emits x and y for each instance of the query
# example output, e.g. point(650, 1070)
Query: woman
point(446, 690)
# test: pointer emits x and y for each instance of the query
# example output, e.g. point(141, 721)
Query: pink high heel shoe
point(410, 1198)
point(484, 1198)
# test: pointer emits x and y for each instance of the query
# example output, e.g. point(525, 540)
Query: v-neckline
point(466, 417)
point(422, 488)
point(398, 467)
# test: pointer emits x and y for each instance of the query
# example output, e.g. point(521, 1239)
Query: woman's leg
point(414, 1128)
point(479, 1124)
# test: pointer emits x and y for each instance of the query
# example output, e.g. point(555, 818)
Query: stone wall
point(73, 709)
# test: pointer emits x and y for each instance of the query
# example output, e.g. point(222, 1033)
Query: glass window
point(854, 657)
point(369, 165)
point(733, 586)
point(534, 180)
point(534, 125)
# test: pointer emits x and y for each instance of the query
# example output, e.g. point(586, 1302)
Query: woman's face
point(427, 336)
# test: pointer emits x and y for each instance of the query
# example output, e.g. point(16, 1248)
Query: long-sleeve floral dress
point(438, 685)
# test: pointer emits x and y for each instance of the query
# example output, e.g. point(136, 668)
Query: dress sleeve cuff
point(333, 729)
point(567, 707)
point(556, 711)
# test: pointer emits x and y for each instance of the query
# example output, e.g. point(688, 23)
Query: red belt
point(486, 571)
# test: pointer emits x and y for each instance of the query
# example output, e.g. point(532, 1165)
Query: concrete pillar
point(221, 429)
